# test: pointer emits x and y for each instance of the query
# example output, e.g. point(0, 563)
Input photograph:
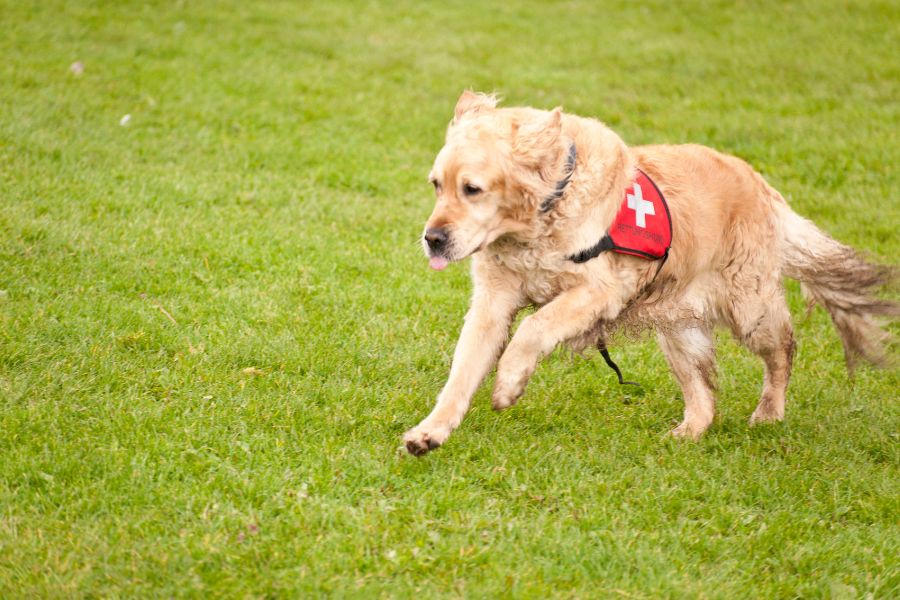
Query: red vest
point(642, 227)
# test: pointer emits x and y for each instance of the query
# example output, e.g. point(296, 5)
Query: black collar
point(551, 200)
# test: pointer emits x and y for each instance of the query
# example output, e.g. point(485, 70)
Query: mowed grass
point(216, 321)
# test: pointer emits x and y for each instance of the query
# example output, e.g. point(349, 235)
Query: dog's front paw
point(421, 439)
point(505, 393)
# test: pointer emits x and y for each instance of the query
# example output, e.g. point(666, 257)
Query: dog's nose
point(436, 238)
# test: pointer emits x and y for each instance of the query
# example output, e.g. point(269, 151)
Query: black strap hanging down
point(601, 346)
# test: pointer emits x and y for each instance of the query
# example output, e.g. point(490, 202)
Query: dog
point(531, 196)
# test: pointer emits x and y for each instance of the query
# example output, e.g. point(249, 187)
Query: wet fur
point(734, 239)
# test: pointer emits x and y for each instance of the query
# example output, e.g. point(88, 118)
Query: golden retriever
point(523, 191)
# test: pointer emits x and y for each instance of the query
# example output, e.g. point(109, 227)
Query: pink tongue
point(437, 263)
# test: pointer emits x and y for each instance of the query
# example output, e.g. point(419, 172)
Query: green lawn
point(216, 320)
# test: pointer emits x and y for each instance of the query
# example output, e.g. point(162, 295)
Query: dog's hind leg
point(765, 328)
point(692, 357)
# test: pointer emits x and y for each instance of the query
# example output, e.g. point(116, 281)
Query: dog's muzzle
point(437, 240)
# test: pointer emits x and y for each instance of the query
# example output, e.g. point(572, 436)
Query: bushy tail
point(835, 276)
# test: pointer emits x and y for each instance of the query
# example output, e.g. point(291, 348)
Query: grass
point(215, 321)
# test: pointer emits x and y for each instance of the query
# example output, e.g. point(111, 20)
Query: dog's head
point(495, 166)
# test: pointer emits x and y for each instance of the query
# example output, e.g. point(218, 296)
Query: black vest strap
point(604, 245)
point(601, 345)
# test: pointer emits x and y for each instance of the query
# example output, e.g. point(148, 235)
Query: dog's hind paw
point(767, 411)
point(760, 417)
point(688, 431)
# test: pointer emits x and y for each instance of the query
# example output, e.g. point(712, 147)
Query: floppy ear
point(537, 142)
point(471, 101)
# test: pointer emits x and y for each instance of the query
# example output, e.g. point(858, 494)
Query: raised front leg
point(483, 335)
point(568, 315)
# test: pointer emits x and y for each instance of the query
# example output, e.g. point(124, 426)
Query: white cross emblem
point(640, 206)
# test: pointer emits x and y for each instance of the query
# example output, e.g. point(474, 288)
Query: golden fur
point(734, 238)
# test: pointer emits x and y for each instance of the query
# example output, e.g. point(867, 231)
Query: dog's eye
point(471, 190)
point(436, 184)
